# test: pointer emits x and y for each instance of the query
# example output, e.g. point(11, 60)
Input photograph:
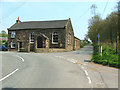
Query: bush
point(109, 56)
point(82, 45)
point(114, 64)
point(98, 61)
point(104, 62)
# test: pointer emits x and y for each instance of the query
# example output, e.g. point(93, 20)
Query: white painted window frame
point(13, 36)
point(30, 38)
point(52, 38)
point(12, 44)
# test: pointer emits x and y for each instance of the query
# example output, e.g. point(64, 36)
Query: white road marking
point(9, 75)
point(86, 72)
point(89, 80)
point(20, 58)
point(82, 67)
point(74, 61)
point(68, 59)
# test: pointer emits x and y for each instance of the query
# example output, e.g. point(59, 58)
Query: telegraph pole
point(93, 8)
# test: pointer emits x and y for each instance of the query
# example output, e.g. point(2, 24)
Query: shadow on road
point(9, 88)
point(87, 61)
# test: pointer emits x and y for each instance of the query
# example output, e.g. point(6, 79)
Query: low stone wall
point(40, 50)
point(57, 50)
point(23, 50)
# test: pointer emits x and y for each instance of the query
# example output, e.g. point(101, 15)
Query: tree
point(94, 28)
point(3, 34)
point(3, 31)
point(107, 28)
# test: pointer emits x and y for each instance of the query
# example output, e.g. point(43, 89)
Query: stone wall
point(69, 30)
point(77, 44)
point(23, 36)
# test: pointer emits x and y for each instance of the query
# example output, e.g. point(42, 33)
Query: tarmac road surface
point(56, 70)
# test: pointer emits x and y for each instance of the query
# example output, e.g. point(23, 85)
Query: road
point(56, 70)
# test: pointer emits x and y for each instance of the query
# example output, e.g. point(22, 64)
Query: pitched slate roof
point(39, 24)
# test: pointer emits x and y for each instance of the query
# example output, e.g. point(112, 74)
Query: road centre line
point(9, 74)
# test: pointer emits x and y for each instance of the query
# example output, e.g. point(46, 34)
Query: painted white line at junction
point(9, 75)
point(82, 67)
point(74, 61)
point(20, 58)
point(86, 72)
point(89, 80)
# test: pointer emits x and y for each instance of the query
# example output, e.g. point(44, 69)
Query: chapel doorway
point(41, 42)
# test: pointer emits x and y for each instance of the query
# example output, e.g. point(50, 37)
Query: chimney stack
point(18, 21)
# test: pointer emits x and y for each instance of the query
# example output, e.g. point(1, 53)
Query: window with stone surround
point(12, 45)
point(55, 38)
point(32, 37)
point(13, 34)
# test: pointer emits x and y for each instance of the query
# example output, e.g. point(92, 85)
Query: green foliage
point(103, 62)
point(3, 42)
point(109, 57)
point(107, 28)
point(0, 42)
point(82, 45)
point(3, 35)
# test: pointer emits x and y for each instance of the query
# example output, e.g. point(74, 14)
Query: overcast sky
point(79, 12)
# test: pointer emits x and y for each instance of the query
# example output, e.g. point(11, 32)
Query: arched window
point(32, 37)
point(55, 38)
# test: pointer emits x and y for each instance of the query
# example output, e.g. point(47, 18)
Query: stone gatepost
point(47, 43)
point(28, 46)
point(35, 43)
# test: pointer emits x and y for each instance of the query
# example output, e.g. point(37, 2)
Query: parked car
point(3, 48)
